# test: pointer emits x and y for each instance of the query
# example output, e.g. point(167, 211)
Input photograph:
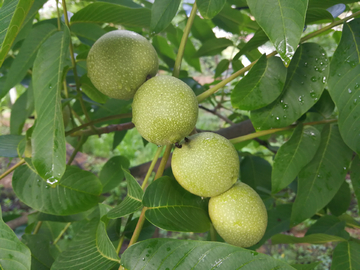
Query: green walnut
point(239, 215)
point(165, 110)
point(206, 165)
point(119, 62)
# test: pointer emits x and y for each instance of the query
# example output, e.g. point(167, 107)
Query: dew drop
point(277, 118)
point(349, 90)
point(302, 83)
point(313, 79)
point(305, 64)
point(285, 116)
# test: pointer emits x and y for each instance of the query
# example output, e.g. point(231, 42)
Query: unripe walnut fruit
point(239, 215)
point(119, 62)
point(165, 110)
point(206, 165)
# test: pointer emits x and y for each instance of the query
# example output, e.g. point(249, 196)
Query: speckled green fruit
point(206, 165)
point(239, 215)
point(119, 62)
point(165, 110)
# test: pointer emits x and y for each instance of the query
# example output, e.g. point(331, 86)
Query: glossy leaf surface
point(172, 208)
point(294, 155)
point(162, 13)
point(319, 180)
point(48, 137)
point(305, 81)
point(261, 86)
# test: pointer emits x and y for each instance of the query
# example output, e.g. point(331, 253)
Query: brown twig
point(103, 130)
point(227, 120)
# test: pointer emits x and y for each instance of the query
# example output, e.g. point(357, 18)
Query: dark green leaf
point(182, 254)
point(209, 8)
point(293, 156)
point(341, 201)
point(164, 50)
point(147, 231)
point(12, 14)
point(162, 13)
point(90, 90)
point(201, 30)
point(88, 33)
point(256, 41)
point(304, 85)
point(261, 86)
point(94, 246)
point(24, 60)
point(278, 221)
point(9, 144)
point(21, 110)
point(319, 238)
point(102, 12)
point(350, 221)
point(346, 256)
point(221, 67)
point(325, 106)
point(314, 15)
point(329, 225)
point(256, 172)
point(13, 253)
point(76, 191)
point(39, 245)
point(112, 107)
point(282, 21)
point(320, 179)
point(344, 83)
point(38, 216)
point(48, 138)
point(132, 201)
point(112, 174)
point(172, 208)
point(355, 177)
point(213, 47)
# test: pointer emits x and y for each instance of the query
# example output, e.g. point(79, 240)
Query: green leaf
point(132, 201)
point(329, 225)
point(213, 47)
point(341, 201)
point(90, 90)
point(325, 106)
point(256, 41)
point(318, 238)
point(328, 3)
point(88, 33)
point(282, 21)
point(38, 216)
point(256, 172)
point(355, 177)
point(182, 254)
point(164, 50)
point(25, 59)
point(309, 266)
point(9, 144)
point(112, 174)
point(162, 13)
point(39, 245)
point(344, 83)
point(94, 246)
point(209, 8)
point(202, 30)
point(13, 253)
point(102, 12)
point(278, 221)
point(21, 110)
point(304, 85)
point(172, 208)
point(294, 155)
point(76, 191)
point(346, 256)
point(12, 14)
point(314, 15)
point(350, 221)
point(112, 107)
point(48, 137)
point(320, 179)
point(221, 67)
point(261, 86)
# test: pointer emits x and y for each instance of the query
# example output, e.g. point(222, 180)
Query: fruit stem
point(61, 233)
point(163, 162)
point(37, 228)
point(274, 130)
point(58, 15)
point(184, 38)
point(111, 117)
point(8, 171)
point(220, 85)
point(151, 168)
point(212, 233)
